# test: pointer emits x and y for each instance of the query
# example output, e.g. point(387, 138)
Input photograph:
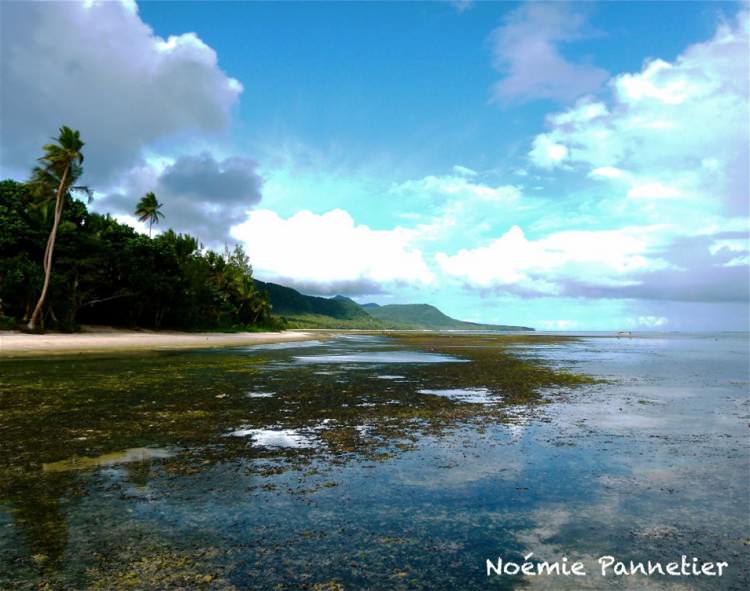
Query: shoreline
point(14, 344)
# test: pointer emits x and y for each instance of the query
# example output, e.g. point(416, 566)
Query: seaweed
point(65, 422)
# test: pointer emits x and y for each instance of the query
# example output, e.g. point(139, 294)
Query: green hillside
point(289, 302)
point(303, 311)
point(426, 316)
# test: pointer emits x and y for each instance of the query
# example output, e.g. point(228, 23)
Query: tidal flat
point(376, 462)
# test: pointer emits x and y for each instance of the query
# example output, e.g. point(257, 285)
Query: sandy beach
point(92, 340)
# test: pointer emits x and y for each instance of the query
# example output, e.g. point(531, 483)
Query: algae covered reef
point(363, 461)
point(92, 442)
point(58, 410)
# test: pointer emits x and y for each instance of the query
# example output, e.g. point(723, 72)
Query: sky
point(561, 165)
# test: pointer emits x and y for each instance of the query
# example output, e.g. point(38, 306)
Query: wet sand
point(92, 340)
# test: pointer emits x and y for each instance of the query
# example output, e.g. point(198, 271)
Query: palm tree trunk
point(59, 201)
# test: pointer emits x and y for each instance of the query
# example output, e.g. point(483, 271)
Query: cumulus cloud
point(673, 130)
point(526, 49)
point(516, 264)
point(232, 180)
point(547, 153)
point(707, 268)
point(330, 253)
point(201, 195)
point(459, 207)
point(630, 263)
point(97, 67)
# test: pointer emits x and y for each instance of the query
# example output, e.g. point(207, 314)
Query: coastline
point(110, 340)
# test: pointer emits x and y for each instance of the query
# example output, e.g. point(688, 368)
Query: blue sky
point(363, 74)
point(560, 165)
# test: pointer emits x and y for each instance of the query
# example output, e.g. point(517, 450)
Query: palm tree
point(60, 167)
point(149, 209)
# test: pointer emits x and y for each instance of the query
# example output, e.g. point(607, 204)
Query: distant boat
point(624, 333)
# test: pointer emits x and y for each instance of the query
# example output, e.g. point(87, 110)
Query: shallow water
point(378, 357)
point(352, 463)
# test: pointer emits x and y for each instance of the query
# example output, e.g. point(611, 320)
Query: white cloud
point(680, 129)
point(547, 153)
point(652, 321)
point(738, 248)
point(653, 190)
point(97, 67)
point(133, 222)
point(464, 171)
point(459, 187)
point(608, 172)
point(456, 208)
point(543, 266)
point(330, 252)
point(526, 50)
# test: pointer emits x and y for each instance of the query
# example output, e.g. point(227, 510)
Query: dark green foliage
point(289, 302)
point(24, 226)
point(106, 273)
point(329, 322)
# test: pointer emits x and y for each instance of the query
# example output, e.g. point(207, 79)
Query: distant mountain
point(426, 316)
point(303, 311)
point(289, 302)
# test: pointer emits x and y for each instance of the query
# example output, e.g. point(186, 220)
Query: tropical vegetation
point(62, 265)
point(51, 184)
point(149, 210)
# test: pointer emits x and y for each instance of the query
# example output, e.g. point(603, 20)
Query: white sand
point(16, 344)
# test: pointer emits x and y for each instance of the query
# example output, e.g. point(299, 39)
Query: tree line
point(62, 265)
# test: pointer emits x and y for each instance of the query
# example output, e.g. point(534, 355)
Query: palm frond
point(85, 190)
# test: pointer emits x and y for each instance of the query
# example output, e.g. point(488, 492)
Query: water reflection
point(260, 394)
point(470, 395)
point(136, 454)
point(379, 357)
point(275, 437)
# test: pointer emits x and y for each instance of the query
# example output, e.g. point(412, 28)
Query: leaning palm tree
point(149, 209)
point(60, 167)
